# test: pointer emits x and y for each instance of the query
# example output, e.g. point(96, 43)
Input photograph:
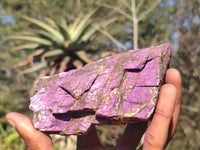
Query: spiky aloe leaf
point(63, 64)
point(47, 28)
point(52, 53)
point(28, 33)
point(30, 58)
point(39, 33)
point(51, 22)
point(48, 36)
point(25, 46)
point(82, 25)
point(64, 29)
point(108, 22)
point(32, 39)
point(83, 55)
point(23, 63)
point(89, 34)
point(73, 26)
point(34, 68)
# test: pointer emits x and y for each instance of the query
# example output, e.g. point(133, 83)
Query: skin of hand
point(159, 132)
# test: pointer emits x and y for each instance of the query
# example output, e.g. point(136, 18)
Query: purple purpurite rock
point(119, 89)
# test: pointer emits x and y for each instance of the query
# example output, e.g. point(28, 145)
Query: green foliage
point(8, 137)
point(12, 137)
point(53, 42)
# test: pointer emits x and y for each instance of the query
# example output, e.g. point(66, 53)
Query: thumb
point(34, 139)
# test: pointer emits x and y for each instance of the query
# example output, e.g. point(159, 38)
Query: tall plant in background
point(134, 14)
point(57, 46)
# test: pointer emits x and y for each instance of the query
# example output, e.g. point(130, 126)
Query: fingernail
point(11, 123)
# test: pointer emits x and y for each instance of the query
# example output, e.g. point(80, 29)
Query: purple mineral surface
point(119, 89)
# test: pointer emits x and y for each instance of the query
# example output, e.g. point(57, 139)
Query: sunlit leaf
point(51, 22)
point(48, 36)
point(32, 39)
point(40, 34)
point(89, 34)
point(25, 46)
point(64, 29)
point(83, 55)
point(23, 63)
point(30, 58)
point(28, 33)
point(46, 27)
point(52, 53)
point(63, 64)
point(36, 52)
point(78, 64)
point(107, 22)
point(73, 26)
point(82, 25)
point(34, 68)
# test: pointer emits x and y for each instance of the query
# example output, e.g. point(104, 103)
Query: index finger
point(157, 133)
point(174, 77)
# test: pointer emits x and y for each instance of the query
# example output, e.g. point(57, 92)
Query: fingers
point(157, 132)
point(34, 139)
point(173, 77)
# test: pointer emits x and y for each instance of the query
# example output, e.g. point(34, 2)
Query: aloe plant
point(57, 44)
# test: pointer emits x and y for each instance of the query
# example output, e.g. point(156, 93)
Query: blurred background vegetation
point(45, 37)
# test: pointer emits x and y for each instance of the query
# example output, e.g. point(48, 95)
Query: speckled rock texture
point(119, 89)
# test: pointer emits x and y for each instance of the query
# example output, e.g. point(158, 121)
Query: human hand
point(158, 134)
point(161, 129)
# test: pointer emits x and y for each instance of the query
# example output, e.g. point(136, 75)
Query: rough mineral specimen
point(119, 89)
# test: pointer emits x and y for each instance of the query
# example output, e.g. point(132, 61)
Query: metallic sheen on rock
point(119, 89)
